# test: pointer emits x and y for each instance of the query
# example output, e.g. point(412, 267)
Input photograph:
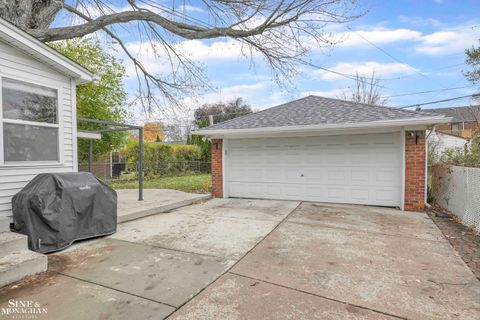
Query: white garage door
point(360, 169)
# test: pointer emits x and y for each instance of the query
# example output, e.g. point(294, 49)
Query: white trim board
point(393, 125)
point(40, 51)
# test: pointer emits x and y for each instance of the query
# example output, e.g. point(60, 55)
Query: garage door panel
point(387, 176)
point(386, 195)
point(335, 157)
point(364, 169)
point(336, 176)
point(384, 138)
point(360, 157)
point(360, 176)
point(336, 194)
point(360, 139)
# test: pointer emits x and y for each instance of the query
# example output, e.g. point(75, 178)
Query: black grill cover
point(56, 209)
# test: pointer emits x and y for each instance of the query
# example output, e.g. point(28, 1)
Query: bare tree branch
point(365, 91)
point(281, 31)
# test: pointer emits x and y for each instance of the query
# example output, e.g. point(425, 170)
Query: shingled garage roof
point(314, 110)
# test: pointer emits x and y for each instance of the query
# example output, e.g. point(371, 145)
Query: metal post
point(90, 155)
point(140, 164)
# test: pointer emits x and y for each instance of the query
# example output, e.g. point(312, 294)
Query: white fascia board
point(37, 49)
point(324, 128)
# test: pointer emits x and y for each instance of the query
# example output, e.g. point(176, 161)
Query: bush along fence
point(158, 160)
point(456, 189)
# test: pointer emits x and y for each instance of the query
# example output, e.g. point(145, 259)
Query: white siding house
point(37, 112)
point(443, 141)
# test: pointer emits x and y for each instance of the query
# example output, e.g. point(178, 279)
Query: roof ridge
point(372, 105)
point(260, 111)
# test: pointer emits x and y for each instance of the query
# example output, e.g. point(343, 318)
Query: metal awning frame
point(115, 126)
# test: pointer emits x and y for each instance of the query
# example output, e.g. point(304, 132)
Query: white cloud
point(378, 36)
point(366, 69)
point(420, 21)
point(224, 50)
point(444, 41)
point(158, 61)
point(259, 95)
point(447, 41)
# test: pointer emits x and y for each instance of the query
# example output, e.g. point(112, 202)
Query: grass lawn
point(197, 183)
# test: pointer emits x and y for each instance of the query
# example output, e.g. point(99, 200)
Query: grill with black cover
point(56, 209)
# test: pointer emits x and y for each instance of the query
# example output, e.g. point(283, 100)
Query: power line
point(431, 70)
point(387, 54)
point(439, 101)
point(428, 91)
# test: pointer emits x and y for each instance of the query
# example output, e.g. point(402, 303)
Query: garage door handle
point(302, 175)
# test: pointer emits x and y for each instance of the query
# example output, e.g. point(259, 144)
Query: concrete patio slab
point(221, 227)
point(165, 276)
point(67, 298)
point(404, 276)
point(233, 297)
point(154, 201)
point(366, 218)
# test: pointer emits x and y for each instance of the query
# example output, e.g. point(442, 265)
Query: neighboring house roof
point(40, 51)
point(322, 112)
point(458, 114)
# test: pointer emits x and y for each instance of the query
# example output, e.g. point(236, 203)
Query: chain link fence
point(456, 189)
point(107, 170)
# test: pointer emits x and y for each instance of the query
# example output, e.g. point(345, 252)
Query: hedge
point(164, 159)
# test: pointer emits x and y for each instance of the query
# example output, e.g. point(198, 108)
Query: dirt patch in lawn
point(464, 239)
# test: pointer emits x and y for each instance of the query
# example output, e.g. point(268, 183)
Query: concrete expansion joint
point(169, 249)
point(319, 296)
point(239, 259)
point(366, 231)
point(114, 289)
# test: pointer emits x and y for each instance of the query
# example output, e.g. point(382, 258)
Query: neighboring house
point(38, 131)
point(464, 120)
point(441, 141)
point(326, 150)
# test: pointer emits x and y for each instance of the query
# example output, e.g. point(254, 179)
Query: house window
point(455, 126)
point(29, 122)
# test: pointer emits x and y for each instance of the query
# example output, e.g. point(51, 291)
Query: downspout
point(427, 205)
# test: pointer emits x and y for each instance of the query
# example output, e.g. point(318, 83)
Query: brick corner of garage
point(217, 168)
point(415, 171)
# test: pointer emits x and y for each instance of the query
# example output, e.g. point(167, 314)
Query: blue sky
point(423, 45)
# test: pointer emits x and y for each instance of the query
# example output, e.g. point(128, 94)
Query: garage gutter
point(425, 121)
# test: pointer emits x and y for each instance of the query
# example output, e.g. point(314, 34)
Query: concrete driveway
point(255, 259)
point(345, 262)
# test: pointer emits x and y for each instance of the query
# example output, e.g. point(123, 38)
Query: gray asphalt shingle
point(315, 110)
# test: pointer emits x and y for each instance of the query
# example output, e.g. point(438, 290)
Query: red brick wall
point(217, 173)
point(414, 171)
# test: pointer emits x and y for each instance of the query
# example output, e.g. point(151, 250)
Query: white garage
point(364, 169)
point(324, 150)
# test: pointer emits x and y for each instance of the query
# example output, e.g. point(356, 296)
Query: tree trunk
point(30, 14)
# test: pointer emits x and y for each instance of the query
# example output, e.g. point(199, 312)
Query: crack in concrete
point(319, 296)
point(170, 249)
point(243, 256)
